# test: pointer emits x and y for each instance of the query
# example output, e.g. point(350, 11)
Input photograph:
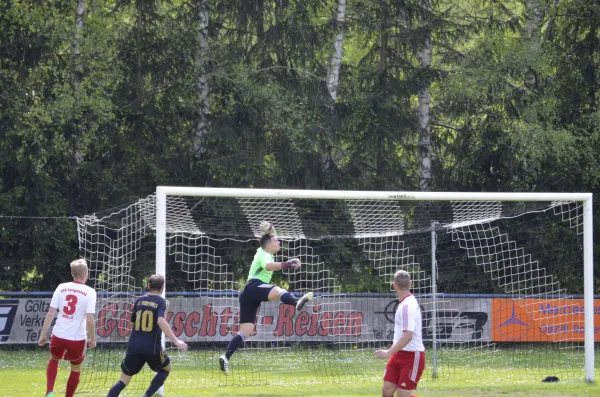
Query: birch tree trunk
point(260, 142)
point(534, 18)
point(333, 77)
point(424, 119)
point(138, 85)
point(77, 74)
point(333, 72)
point(380, 162)
point(533, 25)
point(202, 85)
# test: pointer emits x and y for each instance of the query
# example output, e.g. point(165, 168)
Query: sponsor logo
point(462, 324)
point(8, 310)
point(515, 320)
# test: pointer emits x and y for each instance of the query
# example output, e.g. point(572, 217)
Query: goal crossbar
point(369, 195)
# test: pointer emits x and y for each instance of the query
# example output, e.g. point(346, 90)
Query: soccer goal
point(504, 280)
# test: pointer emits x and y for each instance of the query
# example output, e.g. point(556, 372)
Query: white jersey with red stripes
point(408, 318)
point(73, 301)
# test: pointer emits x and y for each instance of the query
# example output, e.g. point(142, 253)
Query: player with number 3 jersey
point(75, 304)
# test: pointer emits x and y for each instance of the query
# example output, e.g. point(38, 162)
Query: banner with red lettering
point(205, 319)
point(334, 319)
point(215, 319)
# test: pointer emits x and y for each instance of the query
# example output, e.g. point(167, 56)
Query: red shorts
point(405, 369)
point(70, 350)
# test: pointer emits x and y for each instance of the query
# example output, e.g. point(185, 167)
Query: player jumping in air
point(407, 354)
point(75, 304)
point(147, 322)
point(258, 290)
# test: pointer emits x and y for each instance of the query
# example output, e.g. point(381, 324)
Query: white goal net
point(502, 281)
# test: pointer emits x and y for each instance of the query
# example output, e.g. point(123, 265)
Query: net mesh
point(503, 271)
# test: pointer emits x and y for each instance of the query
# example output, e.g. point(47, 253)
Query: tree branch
point(290, 68)
point(447, 126)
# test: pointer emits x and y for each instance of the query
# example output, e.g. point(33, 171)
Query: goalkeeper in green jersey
point(258, 290)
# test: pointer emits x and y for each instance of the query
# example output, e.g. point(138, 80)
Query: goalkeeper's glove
point(267, 228)
point(291, 264)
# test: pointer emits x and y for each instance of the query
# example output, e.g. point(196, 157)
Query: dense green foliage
point(97, 114)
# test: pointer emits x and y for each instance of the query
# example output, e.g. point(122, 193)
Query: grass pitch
point(303, 373)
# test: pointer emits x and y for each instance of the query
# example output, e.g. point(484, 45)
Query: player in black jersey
point(147, 322)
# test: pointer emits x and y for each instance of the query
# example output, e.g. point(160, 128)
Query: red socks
point(51, 372)
point(72, 383)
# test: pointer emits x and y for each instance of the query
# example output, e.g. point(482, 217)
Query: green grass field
point(309, 373)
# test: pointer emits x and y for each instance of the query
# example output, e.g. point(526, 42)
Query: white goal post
point(162, 192)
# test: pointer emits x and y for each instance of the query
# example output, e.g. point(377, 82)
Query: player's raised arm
point(289, 264)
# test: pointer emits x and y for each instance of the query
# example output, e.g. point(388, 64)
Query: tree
point(424, 118)
point(101, 105)
point(77, 74)
point(202, 85)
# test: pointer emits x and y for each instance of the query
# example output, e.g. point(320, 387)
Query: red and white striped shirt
point(408, 318)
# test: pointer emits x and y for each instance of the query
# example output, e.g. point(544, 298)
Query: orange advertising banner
point(541, 320)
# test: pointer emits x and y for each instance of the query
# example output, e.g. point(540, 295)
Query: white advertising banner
point(214, 319)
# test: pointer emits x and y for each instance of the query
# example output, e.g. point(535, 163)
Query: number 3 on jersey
point(71, 305)
point(144, 319)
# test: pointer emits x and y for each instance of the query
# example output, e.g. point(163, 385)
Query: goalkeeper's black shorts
point(254, 292)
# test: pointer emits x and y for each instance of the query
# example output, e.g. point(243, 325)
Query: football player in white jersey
point(75, 304)
point(407, 354)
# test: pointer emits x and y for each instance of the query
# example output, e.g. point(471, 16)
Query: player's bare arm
point(164, 326)
point(396, 347)
point(289, 264)
point(47, 322)
point(91, 329)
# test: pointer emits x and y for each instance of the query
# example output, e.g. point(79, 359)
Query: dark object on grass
point(551, 379)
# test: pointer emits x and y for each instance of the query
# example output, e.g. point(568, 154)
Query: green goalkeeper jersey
point(257, 270)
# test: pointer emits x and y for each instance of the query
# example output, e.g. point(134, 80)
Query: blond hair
point(79, 268)
point(402, 280)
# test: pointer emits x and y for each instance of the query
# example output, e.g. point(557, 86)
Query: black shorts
point(254, 292)
point(134, 362)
